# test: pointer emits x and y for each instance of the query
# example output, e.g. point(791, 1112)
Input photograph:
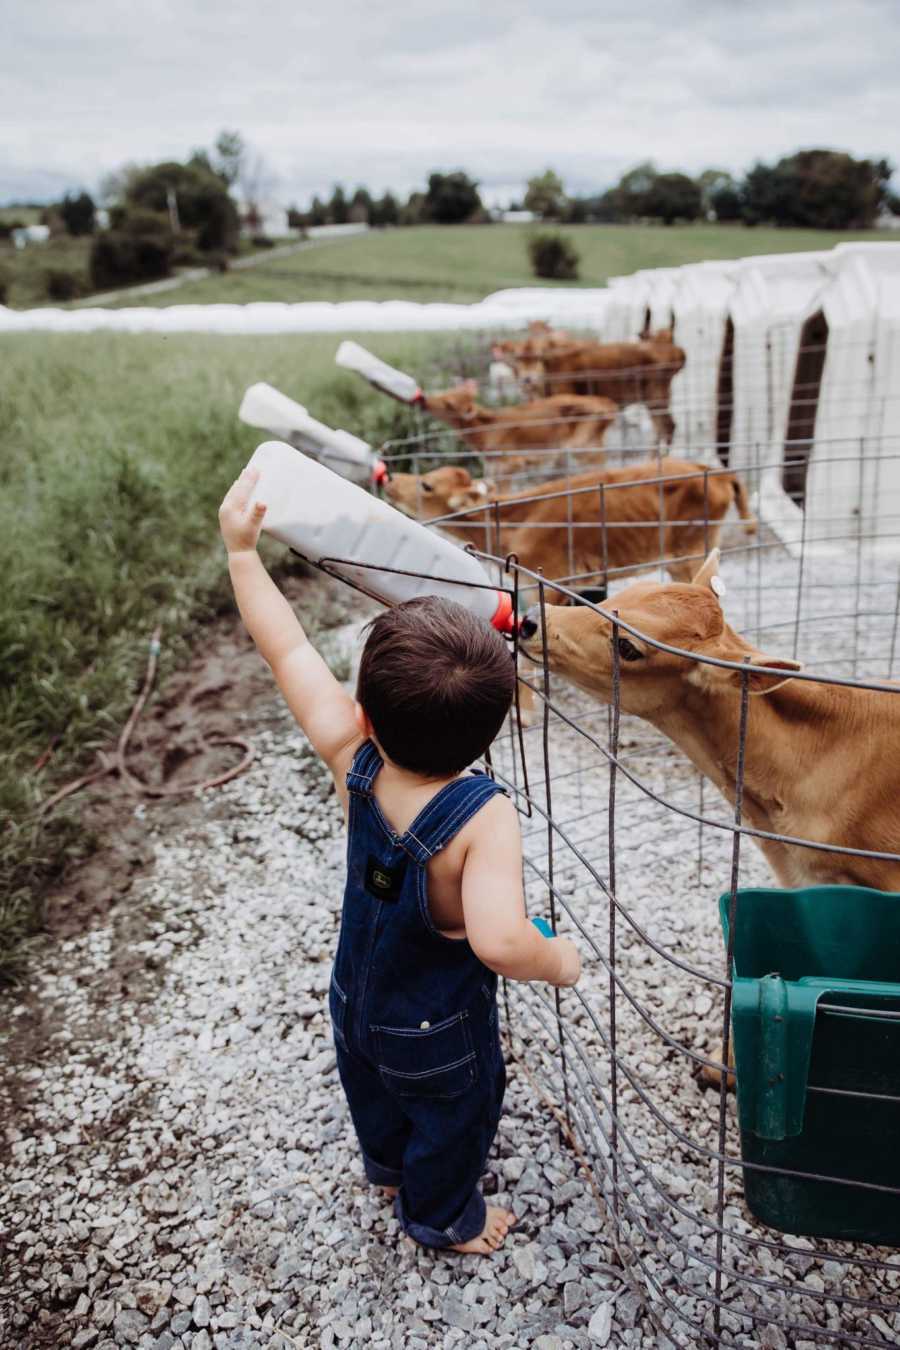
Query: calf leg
point(664, 423)
point(708, 1075)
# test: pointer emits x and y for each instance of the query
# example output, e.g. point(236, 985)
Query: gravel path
point(669, 963)
point(178, 1166)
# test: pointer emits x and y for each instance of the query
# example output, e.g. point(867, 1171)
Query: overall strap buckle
point(446, 814)
point(366, 763)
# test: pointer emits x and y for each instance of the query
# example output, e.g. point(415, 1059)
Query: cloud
point(381, 94)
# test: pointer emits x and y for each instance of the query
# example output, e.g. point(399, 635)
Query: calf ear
point(709, 569)
point(764, 682)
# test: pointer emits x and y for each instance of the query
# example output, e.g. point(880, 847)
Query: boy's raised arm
point(497, 927)
point(322, 707)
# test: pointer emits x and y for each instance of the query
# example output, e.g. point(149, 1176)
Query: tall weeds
point(114, 454)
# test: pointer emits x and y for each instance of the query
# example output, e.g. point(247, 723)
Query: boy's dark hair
point(436, 683)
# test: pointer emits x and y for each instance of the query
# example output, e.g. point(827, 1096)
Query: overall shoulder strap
point(365, 766)
point(445, 815)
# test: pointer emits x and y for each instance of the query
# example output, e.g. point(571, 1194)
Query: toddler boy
point(433, 908)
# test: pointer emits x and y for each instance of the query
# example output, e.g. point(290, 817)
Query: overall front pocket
point(427, 1061)
point(337, 1006)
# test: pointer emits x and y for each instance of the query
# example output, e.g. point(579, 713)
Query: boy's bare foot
point(390, 1191)
point(497, 1223)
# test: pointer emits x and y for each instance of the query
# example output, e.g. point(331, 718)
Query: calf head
point(652, 682)
point(508, 350)
point(540, 329)
point(456, 406)
point(665, 354)
point(541, 337)
point(529, 364)
point(438, 493)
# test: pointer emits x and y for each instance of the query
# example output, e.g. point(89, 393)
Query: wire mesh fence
point(632, 834)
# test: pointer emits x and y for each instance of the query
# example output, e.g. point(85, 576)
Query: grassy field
point(24, 215)
point(114, 454)
point(462, 263)
point(465, 263)
point(25, 270)
point(115, 451)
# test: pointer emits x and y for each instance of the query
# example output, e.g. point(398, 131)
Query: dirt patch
point(225, 690)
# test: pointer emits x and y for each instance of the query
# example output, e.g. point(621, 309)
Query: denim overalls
point(414, 1016)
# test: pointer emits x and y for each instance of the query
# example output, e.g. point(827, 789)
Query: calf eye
point(628, 651)
point(426, 487)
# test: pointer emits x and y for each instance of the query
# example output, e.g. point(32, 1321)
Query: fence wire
point(627, 848)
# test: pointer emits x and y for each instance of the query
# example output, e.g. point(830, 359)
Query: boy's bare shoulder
point(496, 825)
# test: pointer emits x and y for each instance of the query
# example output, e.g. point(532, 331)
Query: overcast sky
point(380, 93)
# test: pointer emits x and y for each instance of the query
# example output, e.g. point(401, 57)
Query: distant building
point(516, 217)
point(886, 220)
point(30, 234)
point(336, 231)
point(264, 217)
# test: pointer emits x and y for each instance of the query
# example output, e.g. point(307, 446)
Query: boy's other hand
point(569, 960)
point(240, 522)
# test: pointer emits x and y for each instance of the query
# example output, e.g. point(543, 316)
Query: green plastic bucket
point(816, 1022)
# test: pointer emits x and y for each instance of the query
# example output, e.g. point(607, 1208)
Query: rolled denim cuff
point(468, 1224)
point(379, 1175)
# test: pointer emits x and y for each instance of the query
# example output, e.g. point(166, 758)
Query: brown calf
point(564, 422)
point(822, 762)
point(535, 524)
point(628, 372)
point(541, 338)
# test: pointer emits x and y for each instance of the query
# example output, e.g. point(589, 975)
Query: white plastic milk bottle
point(380, 375)
point(335, 524)
point(266, 407)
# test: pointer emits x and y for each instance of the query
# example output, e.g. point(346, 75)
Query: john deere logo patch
point(384, 882)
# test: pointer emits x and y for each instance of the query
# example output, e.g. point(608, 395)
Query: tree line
point(816, 189)
point(447, 199)
point(174, 214)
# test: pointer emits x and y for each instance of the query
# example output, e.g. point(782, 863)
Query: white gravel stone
point(181, 1137)
point(600, 1325)
point(235, 1180)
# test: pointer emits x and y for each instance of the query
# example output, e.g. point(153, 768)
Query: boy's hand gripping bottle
point(337, 526)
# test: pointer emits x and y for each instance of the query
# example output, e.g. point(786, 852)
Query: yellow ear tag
point(717, 586)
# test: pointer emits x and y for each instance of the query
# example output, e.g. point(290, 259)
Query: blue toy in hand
point(543, 927)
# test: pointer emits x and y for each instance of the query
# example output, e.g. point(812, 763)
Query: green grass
point(25, 215)
point(425, 263)
point(465, 263)
point(26, 268)
point(114, 455)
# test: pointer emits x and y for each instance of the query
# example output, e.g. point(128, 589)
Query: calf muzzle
point(530, 624)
